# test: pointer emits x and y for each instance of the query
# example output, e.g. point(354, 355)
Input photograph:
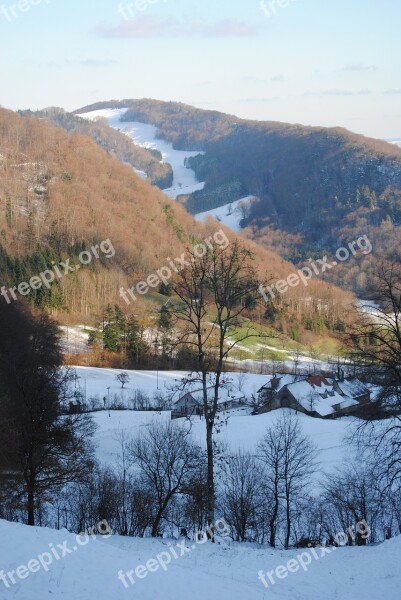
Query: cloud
point(360, 67)
point(346, 93)
point(393, 91)
point(149, 27)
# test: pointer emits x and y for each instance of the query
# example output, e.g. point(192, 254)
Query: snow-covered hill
point(46, 563)
point(90, 569)
point(229, 214)
point(142, 134)
point(239, 430)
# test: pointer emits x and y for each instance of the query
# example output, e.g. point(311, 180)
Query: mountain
point(144, 160)
point(317, 188)
point(61, 194)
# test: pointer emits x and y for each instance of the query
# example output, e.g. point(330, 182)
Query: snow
point(353, 388)
point(304, 392)
point(141, 174)
point(121, 420)
point(228, 214)
point(97, 381)
point(75, 339)
point(240, 431)
point(222, 570)
point(143, 134)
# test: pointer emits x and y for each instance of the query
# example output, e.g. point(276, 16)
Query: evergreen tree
point(111, 332)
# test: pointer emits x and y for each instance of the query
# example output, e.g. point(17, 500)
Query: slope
point(89, 569)
point(318, 188)
point(60, 194)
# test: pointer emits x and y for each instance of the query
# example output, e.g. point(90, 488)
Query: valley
point(200, 300)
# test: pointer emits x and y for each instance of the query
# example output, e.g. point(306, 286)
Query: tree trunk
point(158, 518)
point(288, 522)
point(272, 540)
point(210, 479)
point(31, 504)
point(273, 520)
point(156, 523)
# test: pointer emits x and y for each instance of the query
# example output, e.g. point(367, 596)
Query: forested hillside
point(318, 188)
point(60, 194)
point(144, 159)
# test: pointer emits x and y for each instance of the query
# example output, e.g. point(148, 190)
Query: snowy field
point(98, 380)
point(65, 566)
point(238, 429)
point(142, 134)
point(89, 570)
point(229, 214)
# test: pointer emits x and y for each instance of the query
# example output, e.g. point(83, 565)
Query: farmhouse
point(191, 402)
point(316, 395)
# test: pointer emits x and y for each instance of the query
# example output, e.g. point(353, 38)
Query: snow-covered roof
point(353, 387)
point(321, 399)
point(348, 402)
point(225, 395)
point(287, 379)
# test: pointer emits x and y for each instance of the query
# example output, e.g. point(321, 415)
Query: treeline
point(18, 270)
point(276, 495)
point(366, 213)
point(126, 341)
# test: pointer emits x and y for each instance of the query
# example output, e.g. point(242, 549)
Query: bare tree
point(241, 379)
point(289, 457)
point(242, 495)
point(124, 465)
point(296, 360)
point(216, 292)
point(167, 458)
point(243, 210)
point(376, 338)
point(354, 496)
point(122, 378)
point(375, 344)
point(272, 455)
